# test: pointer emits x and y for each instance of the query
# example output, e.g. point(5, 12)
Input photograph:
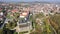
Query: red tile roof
point(14, 10)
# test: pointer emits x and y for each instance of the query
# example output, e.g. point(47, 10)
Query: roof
point(14, 10)
point(23, 14)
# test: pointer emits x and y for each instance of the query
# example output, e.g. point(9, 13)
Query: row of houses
point(23, 23)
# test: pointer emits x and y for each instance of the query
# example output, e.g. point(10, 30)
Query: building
point(24, 24)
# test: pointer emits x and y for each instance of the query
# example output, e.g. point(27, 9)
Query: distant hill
point(1, 2)
point(32, 2)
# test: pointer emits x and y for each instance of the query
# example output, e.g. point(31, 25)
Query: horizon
point(29, 0)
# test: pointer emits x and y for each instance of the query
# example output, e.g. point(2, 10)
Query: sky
point(30, 0)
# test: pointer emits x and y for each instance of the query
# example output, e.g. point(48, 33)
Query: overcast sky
point(31, 0)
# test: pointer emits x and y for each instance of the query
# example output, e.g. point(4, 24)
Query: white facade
point(1, 13)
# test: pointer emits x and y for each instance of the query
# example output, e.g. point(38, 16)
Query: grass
point(47, 29)
point(1, 31)
point(40, 15)
point(55, 21)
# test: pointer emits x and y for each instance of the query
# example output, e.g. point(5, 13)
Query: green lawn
point(1, 31)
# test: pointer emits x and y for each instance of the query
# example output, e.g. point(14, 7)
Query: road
point(2, 25)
